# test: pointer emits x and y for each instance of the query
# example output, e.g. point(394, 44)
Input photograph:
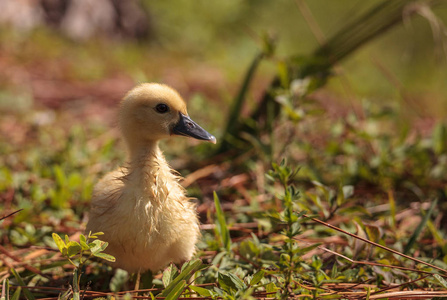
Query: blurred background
point(352, 92)
point(55, 53)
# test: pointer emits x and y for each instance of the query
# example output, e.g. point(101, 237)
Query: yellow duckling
point(142, 209)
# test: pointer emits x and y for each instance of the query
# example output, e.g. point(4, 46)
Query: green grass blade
point(392, 202)
point(19, 279)
point(420, 227)
point(5, 290)
point(177, 291)
point(221, 224)
point(236, 108)
point(16, 295)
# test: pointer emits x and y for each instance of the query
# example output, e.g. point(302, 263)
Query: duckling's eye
point(162, 108)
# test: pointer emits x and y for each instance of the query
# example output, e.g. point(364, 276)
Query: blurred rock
point(79, 19)
point(85, 18)
point(22, 15)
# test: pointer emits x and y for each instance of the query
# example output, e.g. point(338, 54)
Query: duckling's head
point(152, 111)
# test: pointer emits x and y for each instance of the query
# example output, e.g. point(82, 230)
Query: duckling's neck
point(145, 156)
point(150, 178)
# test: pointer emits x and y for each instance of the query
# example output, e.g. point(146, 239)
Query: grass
point(354, 173)
point(332, 201)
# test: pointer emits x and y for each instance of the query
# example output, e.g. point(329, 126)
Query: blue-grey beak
point(187, 127)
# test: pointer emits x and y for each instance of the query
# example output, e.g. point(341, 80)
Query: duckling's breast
point(148, 223)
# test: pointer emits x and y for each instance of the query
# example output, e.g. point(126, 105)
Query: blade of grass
point(235, 111)
point(16, 295)
point(5, 290)
point(420, 227)
point(19, 279)
point(392, 208)
point(176, 291)
point(221, 224)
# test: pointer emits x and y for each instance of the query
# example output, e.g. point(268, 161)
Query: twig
point(410, 295)
point(375, 244)
point(377, 264)
point(400, 285)
point(2, 218)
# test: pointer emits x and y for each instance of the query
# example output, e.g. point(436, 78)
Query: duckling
point(144, 212)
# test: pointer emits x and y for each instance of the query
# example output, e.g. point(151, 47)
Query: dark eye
point(162, 108)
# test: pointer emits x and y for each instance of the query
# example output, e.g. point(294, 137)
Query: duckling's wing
point(107, 192)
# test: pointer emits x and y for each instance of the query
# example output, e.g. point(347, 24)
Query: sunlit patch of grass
point(354, 173)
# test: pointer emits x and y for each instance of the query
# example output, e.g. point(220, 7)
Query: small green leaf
point(82, 238)
point(257, 277)
point(229, 281)
point(169, 274)
point(97, 246)
point(105, 256)
point(166, 279)
point(118, 280)
point(271, 288)
point(186, 274)
point(67, 239)
point(201, 291)
point(374, 232)
point(441, 280)
point(94, 235)
point(59, 242)
point(84, 246)
point(73, 248)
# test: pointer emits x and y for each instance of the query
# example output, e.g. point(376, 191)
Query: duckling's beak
point(187, 127)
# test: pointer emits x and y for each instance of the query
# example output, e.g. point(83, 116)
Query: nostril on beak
point(190, 125)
